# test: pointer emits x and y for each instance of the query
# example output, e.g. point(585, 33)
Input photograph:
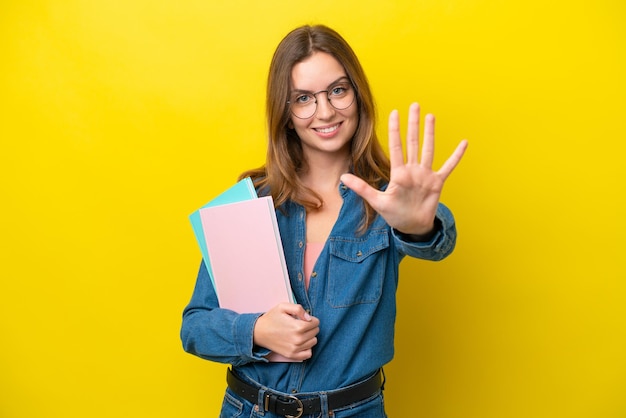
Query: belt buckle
point(300, 407)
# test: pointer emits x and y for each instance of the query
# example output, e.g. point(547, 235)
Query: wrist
point(421, 236)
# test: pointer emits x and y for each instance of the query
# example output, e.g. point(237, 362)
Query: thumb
point(360, 187)
point(297, 311)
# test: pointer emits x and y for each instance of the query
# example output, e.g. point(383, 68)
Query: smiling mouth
point(328, 129)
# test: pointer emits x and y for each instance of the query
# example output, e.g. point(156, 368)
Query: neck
point(322, 174)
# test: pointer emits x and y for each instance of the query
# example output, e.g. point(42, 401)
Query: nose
point(324, 109)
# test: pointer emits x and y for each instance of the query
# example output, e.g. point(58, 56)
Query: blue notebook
point(243, 190)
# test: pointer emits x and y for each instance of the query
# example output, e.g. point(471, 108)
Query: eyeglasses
point(303, 104)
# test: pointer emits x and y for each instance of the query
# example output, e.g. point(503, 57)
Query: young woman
point(347, 216)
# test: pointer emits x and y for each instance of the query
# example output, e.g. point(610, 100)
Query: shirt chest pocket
point(357, 269)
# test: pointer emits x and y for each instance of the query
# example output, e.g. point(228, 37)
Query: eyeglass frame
point(327, 91)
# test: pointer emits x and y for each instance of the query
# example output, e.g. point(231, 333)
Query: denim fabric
point(352, 294)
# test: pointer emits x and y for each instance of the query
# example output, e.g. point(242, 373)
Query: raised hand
point(409, 203)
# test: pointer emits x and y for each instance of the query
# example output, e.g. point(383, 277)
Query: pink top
point(311, 252)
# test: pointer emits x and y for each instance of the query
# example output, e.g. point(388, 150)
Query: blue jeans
point(373, 407)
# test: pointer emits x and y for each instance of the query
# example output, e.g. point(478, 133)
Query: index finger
point(396, 157)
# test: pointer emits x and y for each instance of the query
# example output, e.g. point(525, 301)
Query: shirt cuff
point(243, 336)
point(441, 242)
point(420, 238)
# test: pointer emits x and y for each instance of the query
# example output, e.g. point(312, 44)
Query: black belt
point(294, 406)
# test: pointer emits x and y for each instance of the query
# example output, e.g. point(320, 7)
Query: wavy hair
point(285, 158)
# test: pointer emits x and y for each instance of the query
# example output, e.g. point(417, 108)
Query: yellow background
point(118, 119)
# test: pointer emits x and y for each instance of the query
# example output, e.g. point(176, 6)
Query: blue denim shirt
point(352, 293)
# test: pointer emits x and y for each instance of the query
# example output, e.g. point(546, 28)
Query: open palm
point(410, 201)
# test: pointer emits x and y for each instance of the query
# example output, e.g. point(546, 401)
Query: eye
point(304, 99)
point(339, 90)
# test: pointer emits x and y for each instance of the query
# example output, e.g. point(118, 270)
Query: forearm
point(216, 334)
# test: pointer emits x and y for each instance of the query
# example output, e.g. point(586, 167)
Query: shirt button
point(300, 244)
point(314, 274)
point(359, 253)
point(300, 277)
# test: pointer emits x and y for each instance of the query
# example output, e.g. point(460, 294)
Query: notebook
point(242, 190)
point(246, 255)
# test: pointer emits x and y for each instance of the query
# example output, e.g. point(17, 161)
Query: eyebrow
point(337, 81)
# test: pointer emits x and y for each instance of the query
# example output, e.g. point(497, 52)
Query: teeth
point(327, 130)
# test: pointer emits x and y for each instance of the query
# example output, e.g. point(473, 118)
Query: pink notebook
point(246, 254)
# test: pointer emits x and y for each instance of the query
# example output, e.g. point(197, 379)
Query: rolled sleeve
point(440, 245)
point(243, 337)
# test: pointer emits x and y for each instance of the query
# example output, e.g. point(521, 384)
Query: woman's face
point(329, 131)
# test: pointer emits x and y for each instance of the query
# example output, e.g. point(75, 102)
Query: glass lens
point(341, 96)
point(304, 105)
